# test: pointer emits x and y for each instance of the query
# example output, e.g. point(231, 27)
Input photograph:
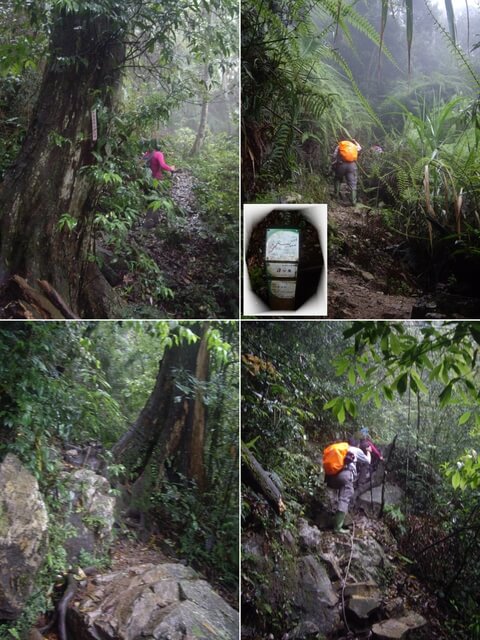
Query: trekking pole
point(385, 471)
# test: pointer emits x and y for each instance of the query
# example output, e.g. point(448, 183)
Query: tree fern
point(349, 16)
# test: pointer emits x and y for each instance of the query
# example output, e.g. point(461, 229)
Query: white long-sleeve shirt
point(360, 456)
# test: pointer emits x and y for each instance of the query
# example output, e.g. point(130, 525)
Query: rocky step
point(151, 602)
point(398, 628)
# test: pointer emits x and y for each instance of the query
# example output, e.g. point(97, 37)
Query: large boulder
point(369, 561)
point(300, 579)
point(309, 537)
point(393, 495)
point(315, 597)
point(89, 513)
point(363, 599)
point(156, 602)
point(23, 535)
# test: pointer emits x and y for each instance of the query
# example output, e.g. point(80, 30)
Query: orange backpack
point(348, 151)
point(334, 457)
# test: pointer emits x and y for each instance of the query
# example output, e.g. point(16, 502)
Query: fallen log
point(255, 475)
point(18, 299)
point(57, 300)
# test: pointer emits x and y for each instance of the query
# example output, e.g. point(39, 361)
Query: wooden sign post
point(281, 264)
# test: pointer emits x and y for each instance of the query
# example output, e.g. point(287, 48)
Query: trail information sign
point(281, 264)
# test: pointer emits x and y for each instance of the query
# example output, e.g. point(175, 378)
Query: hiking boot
point(354, 197)
point(338, 520)
point(336, 190)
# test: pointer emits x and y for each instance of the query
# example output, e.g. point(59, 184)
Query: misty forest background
point(404, 75)
point(85, 215)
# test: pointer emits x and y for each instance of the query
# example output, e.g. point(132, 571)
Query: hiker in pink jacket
point(156, 162)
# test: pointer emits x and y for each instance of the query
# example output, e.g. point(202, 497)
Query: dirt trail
point(365, 279)
point(184, 250)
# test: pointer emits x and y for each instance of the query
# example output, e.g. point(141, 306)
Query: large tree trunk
point(191, 458)
point(50, 176)
point(173, 419)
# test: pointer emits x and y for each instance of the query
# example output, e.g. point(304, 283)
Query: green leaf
point(355, 328)
point(401, 383)
point(383, 24)
point(418, 381)
point(331, 403)
point(445, 395)
point(451, 19)
point(456, 480)
point(351, 376)
point(409, 8)
point(388, 392)
point(475, 333)
point(367, 395)
point(465, 417)
point(341, 365)
point(351, 407)
point(361, 372)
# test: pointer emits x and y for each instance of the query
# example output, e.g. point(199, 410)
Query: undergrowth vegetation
point(79, 386)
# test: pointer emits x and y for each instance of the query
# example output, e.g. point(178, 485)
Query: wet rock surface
point(89, 511)
point(309, 536)
point(313, 569)
point(23, 535)
point(398, 628)
point(156, 602)
point(392, 495)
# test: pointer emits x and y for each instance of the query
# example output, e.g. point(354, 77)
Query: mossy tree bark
point(50, 177)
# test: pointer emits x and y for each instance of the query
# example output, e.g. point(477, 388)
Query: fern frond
point(350, 16)
point(346, 69)
point(454, 48)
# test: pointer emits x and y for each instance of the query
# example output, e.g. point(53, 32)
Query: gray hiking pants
point(347, 170)
point(342, 481)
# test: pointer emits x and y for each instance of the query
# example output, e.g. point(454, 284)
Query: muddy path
point(366, 275)
point(181, 245)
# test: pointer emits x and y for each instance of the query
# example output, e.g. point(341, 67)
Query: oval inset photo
point(285, 269)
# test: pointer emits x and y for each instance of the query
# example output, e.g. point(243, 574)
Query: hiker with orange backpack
point(340, 467)
point(344, 165)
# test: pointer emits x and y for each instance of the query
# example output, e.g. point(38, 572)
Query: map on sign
point(282, 244)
